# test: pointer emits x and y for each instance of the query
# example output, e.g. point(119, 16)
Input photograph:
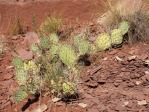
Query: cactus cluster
point(67, 55)
point(20, 94)
point(104, 41)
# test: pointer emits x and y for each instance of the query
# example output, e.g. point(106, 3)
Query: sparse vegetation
point(51, 24)
point(138, 21)
point(2, 44)
point(16, 27)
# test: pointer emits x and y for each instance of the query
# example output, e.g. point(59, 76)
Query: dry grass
point(2, 44)
point(139, 21)
point(16, 27)
point(52, 24)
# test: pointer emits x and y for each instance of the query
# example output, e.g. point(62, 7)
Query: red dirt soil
point(71, 10)
point(115, 81)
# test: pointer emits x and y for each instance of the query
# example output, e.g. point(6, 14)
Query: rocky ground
point(116, 81)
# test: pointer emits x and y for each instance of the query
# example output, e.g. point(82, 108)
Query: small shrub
point(16, 27)
point(51, 24)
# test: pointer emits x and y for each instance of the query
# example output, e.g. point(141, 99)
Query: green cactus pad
point(124, 27)
point(83, 47)
point(116, 37)
point(17, 63)
point(103, 42)
point(21, 76)
point(44, 42)
point(20, 95)
point(53, 50)
point(67, 55)
point(54, 38)
point(68, 88)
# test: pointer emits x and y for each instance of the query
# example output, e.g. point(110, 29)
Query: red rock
point(8, 76)
point(93, 110)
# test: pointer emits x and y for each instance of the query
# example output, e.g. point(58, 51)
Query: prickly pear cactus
point(17, 63)
point(68, 88)
point(54, 38)
point(67, 55)
point(83, 47)
point(53, 50)
point(103, 42)
point(44, 42)
point(34, 48)
point(21, 76)
point(20, 95)
point(116, 37)
point(124, 27)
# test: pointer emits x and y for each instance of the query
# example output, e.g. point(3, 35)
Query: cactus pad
point(20, 95)
point(67, 55)
point(21, 76)
point(103, 42)
point(68, 88)
point(44, 42)
point(124, 27)
point(54, 38)
point(53, 50)
point(83, 47)
point(17, 63)
point(116, 37)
